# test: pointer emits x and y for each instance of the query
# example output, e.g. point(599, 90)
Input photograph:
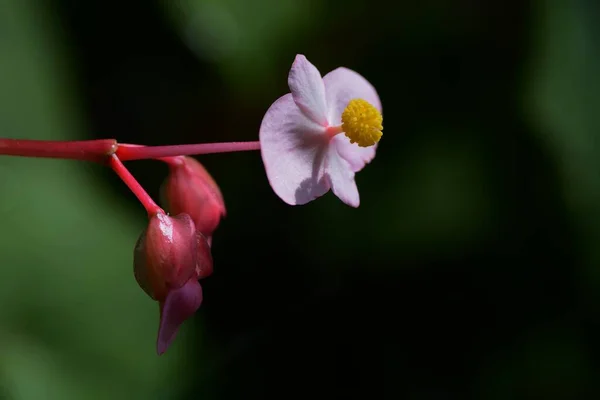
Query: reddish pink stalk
point(151, 207)
point(113, 153)
point(101, 150)
point(176, 160)
point(88, 150)
point(128, 152)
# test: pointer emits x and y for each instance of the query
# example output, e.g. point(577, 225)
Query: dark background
point(470, 269)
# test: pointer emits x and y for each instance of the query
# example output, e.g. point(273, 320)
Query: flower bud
point(169, 258)
point(166, 254)
point(190, 189)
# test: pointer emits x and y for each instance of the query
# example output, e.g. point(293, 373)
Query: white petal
point(293, 150)
point(308, 90)
point(355, 155)
point(341, 177)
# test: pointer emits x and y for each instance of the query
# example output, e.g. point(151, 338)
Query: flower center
point(361, 122)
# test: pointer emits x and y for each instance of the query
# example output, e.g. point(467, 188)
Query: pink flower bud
point(169, 258)
point(166, 254)
point(190, 189)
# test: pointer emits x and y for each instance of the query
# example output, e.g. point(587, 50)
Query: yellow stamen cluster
point(361, 122)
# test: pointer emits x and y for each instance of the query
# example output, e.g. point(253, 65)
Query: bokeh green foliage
point(67, 294)
point(563, 102)
point(242, 38)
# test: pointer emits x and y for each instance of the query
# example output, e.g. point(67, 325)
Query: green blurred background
point(471, 269)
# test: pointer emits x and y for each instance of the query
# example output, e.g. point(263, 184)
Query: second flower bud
point(190, 189)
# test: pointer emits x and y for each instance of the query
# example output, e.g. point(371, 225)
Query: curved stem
point(151, 207)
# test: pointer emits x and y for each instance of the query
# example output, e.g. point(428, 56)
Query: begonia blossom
point(318, 136)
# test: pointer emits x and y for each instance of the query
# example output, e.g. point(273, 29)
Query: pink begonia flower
point(319, 135)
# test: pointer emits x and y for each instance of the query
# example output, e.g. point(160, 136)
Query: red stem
point(128, 152)
point(151, 207)
point(176, 160)
point(88, 150)
point(101, 150)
